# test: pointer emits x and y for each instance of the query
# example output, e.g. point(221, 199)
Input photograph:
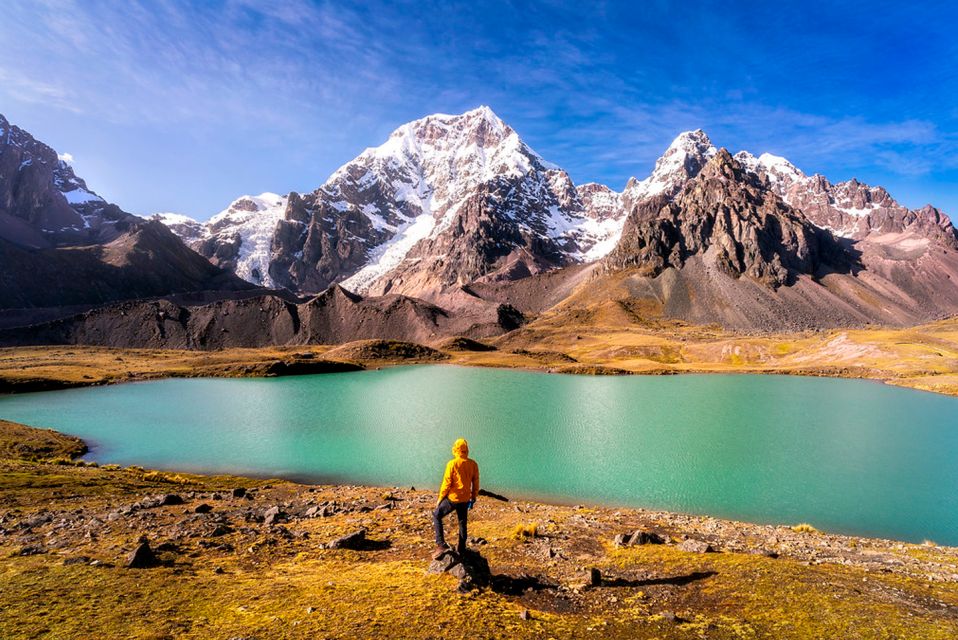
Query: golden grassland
point(279, 582)
point(923, 357)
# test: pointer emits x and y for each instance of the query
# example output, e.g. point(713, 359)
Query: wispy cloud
point(292, 89)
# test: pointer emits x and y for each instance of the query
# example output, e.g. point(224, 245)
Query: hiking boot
point(439, 551)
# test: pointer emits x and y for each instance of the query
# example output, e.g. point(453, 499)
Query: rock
point(470, 567)
point(76, 560)
point(203, 508)
point(352, 540)
point(142, 557)
point(221, 530)
point(595, 577)
point(524, 615)
point(643, 536)
point(274, 515)
point(36, 520)
point(638, 537)
point(459, 570)
point(669, 616)
point(695, 546)
point(239, 492)
point(444, 563)
point(152, 502)
point(30, 551)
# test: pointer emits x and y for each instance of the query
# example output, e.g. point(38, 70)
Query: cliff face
point(734, 221)
point(61, 245)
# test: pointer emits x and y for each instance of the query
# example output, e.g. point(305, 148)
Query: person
point(459, 490)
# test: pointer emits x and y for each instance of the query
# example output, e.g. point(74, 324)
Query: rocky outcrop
point(144, 260)
point(43, 204)
point(63, 245)
point(849, 209)
point(734, 221)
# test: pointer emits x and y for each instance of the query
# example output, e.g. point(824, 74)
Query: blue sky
point(178, 106)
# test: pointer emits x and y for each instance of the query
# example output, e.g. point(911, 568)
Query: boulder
point(203, 508)
point(142, 557)
point(470, 568)
point(352, 540)
point(274, 515)
point(239, 492)
point(594, 577)
point(695, 546)
point(638, 537)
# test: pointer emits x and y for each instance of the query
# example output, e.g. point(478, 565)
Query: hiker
point(459, 490)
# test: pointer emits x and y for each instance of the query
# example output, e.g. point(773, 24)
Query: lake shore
point(923, 358)
point(241, 557)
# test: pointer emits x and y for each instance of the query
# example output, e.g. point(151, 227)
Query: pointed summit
point(682, 160)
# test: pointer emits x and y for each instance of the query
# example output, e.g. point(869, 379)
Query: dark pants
point(445, 508)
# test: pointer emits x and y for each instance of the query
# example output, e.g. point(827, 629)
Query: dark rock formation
point(142, 557)
point(62, 245)
point(470, 568)
point(730, 217)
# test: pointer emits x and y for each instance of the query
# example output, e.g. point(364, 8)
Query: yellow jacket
point(460, 483)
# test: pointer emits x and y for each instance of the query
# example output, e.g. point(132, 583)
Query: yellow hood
point(460, 448)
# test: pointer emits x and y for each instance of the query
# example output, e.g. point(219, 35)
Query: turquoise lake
point(847, 456)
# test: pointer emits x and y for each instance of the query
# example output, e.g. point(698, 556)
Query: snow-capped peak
point(245, 207)
point(683, 159)
point(781, 173)
point(169, 218)
point(412, 185)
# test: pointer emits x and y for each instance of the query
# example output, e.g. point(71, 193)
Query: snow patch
point(81, 196)
point(389, 254)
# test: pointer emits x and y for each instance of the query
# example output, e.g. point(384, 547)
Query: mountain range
point(454, 225)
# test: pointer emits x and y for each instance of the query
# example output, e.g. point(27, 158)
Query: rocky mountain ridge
point(453, 199)
point(62, 245)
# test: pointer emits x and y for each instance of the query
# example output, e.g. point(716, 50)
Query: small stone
point(695, 546)
point(643, 536)
point(76, 560)
point(171, 499)
point(218, 571)
point(142, 557)
point(349, 541)
point(595, 577)
point(524, 615)
point(239, 492)
point(202, 508)
point(30, 551)
point(274, 515)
